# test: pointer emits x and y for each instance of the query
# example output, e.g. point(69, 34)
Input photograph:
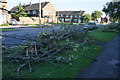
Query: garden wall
point(34, 20)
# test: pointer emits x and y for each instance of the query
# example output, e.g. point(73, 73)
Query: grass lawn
point(104, 34)
point(100, 36)
point(56, 70)
point(5, 29)
point(35, 27)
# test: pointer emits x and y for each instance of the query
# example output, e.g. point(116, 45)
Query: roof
point(70, 12)
point(2, 1)
point(31, 6)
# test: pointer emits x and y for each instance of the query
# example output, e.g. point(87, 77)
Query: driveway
point(107, 65)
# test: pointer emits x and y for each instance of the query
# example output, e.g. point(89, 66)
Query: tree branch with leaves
point(20, 12)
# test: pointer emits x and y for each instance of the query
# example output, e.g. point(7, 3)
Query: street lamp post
point(39, 13)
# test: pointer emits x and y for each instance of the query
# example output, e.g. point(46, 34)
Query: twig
point(18, 70)
point(30, 68)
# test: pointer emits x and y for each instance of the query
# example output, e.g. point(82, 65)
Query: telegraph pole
point(39, 13)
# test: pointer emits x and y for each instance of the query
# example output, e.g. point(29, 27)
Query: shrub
point(4, 24)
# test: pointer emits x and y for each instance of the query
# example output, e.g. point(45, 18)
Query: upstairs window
point(71, 16)
point(67, 15)
point(76, 15)
point(64, 15)
point(61, 15)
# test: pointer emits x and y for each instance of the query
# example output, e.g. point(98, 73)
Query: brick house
point(32, 10)
point(66, 16)
point(3, 13)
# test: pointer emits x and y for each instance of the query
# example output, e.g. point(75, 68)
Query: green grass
point(35, 26)
point(5, 29)
point(102, 36)
point(4, 24)
point(49, 70)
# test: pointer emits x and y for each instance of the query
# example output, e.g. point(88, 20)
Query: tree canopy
point(96, 14)
point(86, 18)
point(112, 9)
point(20, 12)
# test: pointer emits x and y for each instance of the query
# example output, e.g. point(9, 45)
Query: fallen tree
point(45, 47)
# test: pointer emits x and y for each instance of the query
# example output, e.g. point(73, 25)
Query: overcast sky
point(87, 5)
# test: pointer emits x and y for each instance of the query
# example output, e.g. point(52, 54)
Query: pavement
point(108, 64)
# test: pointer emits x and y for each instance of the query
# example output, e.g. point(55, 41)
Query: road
point(108, 64)
point(23, 31)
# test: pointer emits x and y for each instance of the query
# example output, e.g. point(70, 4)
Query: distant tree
point(20, 12)
point(96, 14)
point(86, 18)
point(71, 21)
point(112, 9)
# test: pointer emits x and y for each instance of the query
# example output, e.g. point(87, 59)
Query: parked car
point(14, 22)
point(90, 25)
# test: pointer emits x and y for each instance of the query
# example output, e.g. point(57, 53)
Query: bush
point(4, 24)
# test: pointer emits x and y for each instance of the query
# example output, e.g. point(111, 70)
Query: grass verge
point(6, 29)
point(55, 70)
point(103, 34)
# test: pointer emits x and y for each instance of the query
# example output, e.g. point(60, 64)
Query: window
point(76, 15)
point(34, 12)
point(67, 15)
point(64, 15)
point(62, 20)
point(49, 12)
point(28, 12)
point(61, 15)
point(67, 20)
point(75, 20)
point(71, 16)
point(46, 12)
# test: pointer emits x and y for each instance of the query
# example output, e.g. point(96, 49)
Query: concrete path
point(107, 65)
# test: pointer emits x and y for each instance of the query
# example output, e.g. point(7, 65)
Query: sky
point(60, 5)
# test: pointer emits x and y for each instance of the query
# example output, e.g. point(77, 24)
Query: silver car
point(14, 22)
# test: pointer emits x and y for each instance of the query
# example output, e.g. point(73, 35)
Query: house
point(3, 13)
point(47, 11)
point(67, 16)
